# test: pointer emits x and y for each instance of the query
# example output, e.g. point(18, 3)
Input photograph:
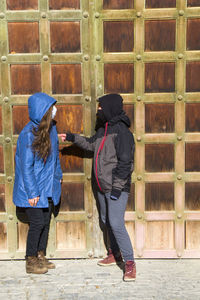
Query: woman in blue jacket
point(38, 178)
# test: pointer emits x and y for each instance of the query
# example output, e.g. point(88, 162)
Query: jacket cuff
point(70, 137)
point(115, 194)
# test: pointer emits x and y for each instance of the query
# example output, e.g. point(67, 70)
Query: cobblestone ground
point(83, 280)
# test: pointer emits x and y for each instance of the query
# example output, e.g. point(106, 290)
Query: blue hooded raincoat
point(33, 177)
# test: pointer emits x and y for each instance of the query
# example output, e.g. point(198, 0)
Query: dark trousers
point(39, 222)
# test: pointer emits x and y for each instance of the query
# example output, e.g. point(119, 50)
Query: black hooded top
point(112, 111)
point(113, 146)
point(111, 105)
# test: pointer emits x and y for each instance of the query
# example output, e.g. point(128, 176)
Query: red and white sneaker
point(130, 271)
point(111, 259)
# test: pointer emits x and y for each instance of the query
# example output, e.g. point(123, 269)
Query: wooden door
point(45, 47)
point(149, 52)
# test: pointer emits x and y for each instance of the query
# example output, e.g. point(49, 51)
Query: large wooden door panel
point(146, 50)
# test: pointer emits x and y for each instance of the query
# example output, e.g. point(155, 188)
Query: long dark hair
point(41, 145)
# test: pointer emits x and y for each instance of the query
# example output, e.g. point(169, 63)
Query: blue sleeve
point(27, 160)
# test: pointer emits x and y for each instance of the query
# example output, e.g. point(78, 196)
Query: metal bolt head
point(179, 254)
point(86, 14)
point(181, 12)
point(139, 177)
point(2, 15)
point(44, 15)
point(180, 97)
point(139, 138)
point(97, 15)
point(139, 217)
point(10, 217)
point(89, 216)
point(98, 58)
point(179, 216)
point(3, 58)
point(179, 177)
point(139, 98)
point(180, 56)
point(87, 99)
point(9, 178)
point(138, 57)
point(138, 14)
point(8, 139)
point(86, 57)
point(179, 138)
point(90, 253)
point(45, 57)
point(6, 99)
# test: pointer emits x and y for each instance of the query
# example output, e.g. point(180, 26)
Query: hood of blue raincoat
point(38, 105)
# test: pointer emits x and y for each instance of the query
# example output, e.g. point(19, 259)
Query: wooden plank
point(64, 4)
point(22, 4)
point(160, 4)
point(123, 4)
point(71, 235)
point(159, 235)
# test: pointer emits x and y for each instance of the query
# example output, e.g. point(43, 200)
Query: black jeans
point(39, 222)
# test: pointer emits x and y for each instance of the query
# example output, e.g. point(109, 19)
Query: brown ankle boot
point(111, 259)
point(130, 271)
point(33, 266)
point(44, 261)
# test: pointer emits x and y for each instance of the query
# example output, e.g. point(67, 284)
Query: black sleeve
point(125, 147)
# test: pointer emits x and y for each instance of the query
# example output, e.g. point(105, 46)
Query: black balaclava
point(101, 117)
point(111, 105)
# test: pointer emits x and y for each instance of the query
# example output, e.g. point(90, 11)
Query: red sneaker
point(111, 259)
point(130, 271)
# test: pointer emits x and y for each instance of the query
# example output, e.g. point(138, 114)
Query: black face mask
point(101, 116)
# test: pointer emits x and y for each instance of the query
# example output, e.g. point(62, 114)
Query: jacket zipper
point(100, 149)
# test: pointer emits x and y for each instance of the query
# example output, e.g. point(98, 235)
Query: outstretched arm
point(81, 141)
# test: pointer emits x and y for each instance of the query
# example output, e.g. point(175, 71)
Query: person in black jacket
point(113, 146)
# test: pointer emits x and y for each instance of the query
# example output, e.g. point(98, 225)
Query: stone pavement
point(83, 279)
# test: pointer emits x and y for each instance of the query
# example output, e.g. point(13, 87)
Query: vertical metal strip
point(7, 136)
point(139, 129)
point(86, 67)
point(44, 25)
point(44, 31)
point(97, 76)
point(180, 128)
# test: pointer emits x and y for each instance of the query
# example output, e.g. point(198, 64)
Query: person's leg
point(44, 237)
point(42, 245)
point(116, 211)
point(36, 224)
point(104, 217)
point(114, 255)
point(103, 208)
